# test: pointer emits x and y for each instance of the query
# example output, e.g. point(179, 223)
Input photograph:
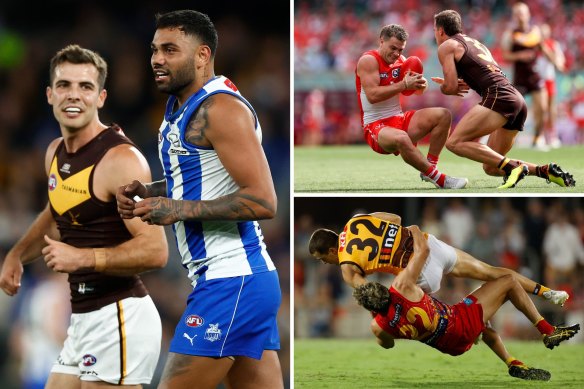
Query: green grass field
point(359, 169)
point(362, 364)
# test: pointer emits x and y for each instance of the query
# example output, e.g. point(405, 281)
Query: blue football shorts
point(233, 316)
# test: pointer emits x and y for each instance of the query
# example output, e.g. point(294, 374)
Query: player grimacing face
point(390, 49)
point(172, 60)
point(75, 95)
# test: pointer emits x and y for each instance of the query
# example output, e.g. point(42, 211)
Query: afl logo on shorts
point(89, 360)
point(52, 182)
point(194, 321)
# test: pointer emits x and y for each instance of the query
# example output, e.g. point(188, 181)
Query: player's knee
point(445, 116)
point(402, 142)
point(508, 280)
point(452, 144)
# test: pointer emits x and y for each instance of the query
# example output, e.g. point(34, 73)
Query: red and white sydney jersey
point(388, 74)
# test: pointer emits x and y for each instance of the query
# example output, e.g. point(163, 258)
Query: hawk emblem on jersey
point(213, 333)
point(230, 85)
point(68, 193)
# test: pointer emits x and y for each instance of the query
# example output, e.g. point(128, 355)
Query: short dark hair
point(394, 30)
point(373, 297)
point(322, 240)
point(450, 21)
point(76, 54)
point(192, 23)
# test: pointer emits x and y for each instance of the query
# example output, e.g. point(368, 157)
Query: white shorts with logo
point(441, 260)
point(119, 343)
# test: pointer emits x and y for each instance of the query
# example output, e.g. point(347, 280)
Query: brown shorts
point(507, 101)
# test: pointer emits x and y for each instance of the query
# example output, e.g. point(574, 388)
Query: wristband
point(100, 261)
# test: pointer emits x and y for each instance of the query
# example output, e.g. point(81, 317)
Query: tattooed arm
point(225, 123)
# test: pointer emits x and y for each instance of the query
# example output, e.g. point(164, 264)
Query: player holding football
point(501, 113)
point(405, 311)
point(379, 243)
point(387, 129)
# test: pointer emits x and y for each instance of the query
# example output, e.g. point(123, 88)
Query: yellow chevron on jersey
point(66, 194)
point(528, 39)
point(373, 244)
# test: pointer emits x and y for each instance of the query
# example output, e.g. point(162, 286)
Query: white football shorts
point(119, 343)
point(441, 260)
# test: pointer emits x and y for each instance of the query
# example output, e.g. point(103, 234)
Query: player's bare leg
point(71, 381)
point(494, 293)
point(516, 368)
point(188, 371)
point(392, 140)
point(63, 381)
point(539, 103)
point(434, 121)
point(249, 373)
point(468, 266)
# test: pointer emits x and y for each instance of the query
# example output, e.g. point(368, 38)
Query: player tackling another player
point(405, 311)
point(378, 243)
point(387, 129)
point(500, 114)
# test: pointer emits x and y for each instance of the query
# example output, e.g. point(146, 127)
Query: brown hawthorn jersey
point(85, 221)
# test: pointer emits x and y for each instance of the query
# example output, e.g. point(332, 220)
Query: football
point(413, 64)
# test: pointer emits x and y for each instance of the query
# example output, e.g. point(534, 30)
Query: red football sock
point(544, 327)
point(433, 159)
point(435, 175)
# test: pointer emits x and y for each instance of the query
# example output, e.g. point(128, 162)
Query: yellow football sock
point(540, 289)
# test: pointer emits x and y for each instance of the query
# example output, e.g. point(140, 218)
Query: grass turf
point(361, 363)
point(359, 169)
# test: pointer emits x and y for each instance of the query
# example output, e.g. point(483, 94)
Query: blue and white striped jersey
point(224, 248)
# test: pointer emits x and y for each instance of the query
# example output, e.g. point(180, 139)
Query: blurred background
point(254, 52)
point(331, 35)
point(541, 238)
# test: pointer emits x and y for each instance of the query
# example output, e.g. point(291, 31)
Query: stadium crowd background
point(253, 52)
point(330, 36)
point(542, 238)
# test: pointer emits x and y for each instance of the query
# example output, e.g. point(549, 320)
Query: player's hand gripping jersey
point(375, 245)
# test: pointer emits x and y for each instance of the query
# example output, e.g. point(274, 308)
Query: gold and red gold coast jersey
point(375, 245)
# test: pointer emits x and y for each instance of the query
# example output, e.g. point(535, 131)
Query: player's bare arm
point(446, 52)
point(384, 339)
point(390, 217)
point(127, 195)
point(368, 71)
point(406, 281)
point(146, 250)
point(353, 275)
point(29, 246)
point(228, 125)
